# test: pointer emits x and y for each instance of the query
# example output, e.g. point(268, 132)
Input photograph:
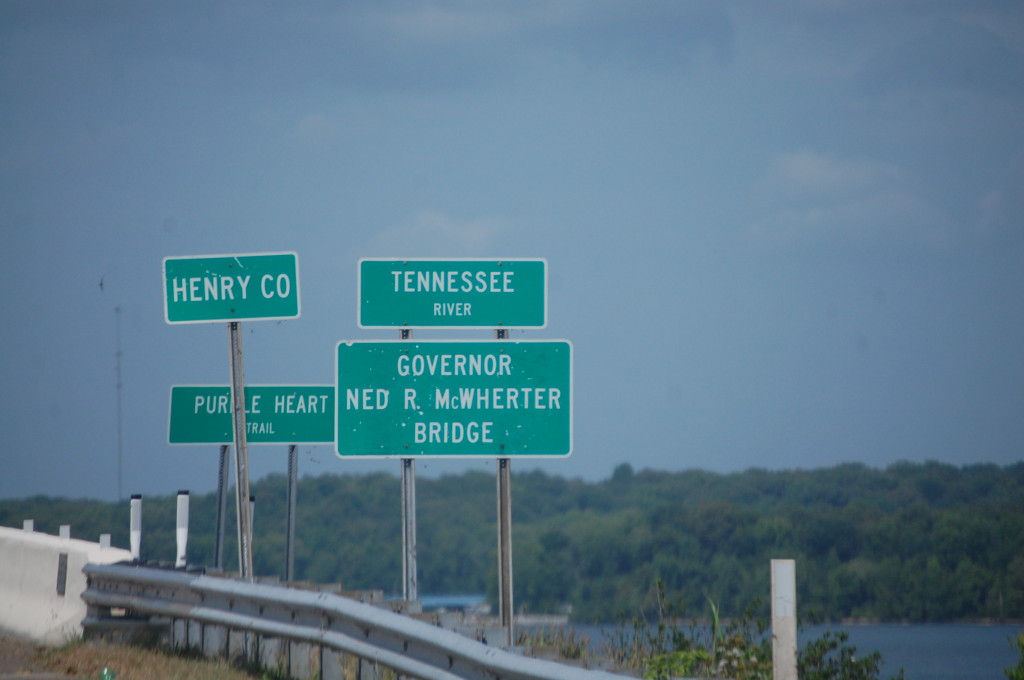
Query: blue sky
point(779, 235)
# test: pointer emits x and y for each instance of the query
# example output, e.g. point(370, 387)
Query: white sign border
point(359, 290)
point(298, 288)
point(458, 456)
point(248, 441)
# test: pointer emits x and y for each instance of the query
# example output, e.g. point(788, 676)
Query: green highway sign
point(208, 288)
point(274, 414)
point(456, 293)
point(454, 398)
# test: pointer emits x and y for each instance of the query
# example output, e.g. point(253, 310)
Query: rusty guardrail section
point(229, 617)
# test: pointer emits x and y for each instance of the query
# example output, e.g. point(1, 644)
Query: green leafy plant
point(660, 647)
point(677, 663)
point(830, 657)
point(566, 643)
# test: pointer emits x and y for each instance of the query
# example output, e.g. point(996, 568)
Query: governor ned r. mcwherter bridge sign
point(454, 398)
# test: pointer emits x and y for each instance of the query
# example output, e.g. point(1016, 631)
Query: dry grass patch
point(88, 659)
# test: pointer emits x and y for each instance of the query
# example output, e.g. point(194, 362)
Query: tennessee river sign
point(454, 398)
point(212, 288)
point(274, 414)
point(452, 293)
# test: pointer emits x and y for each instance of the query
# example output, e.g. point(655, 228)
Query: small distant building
point(471, 605)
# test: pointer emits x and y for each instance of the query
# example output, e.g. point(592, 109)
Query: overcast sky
point(779, 235)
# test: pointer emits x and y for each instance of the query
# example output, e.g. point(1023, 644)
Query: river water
point(924, 651)
point(933, 651)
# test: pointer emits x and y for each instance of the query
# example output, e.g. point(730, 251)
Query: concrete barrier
point(41, 583)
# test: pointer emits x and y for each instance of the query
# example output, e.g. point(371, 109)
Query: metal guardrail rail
point(413, 648)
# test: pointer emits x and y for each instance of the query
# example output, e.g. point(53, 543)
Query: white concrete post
point(135, 526)
point(784, 620)
point(181, 529)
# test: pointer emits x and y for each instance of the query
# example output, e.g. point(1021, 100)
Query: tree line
point(915, 542)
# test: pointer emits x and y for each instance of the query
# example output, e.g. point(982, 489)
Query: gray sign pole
point(223, 472)
point(293, 474)
point(505, 536)
point(409, 585)
point(410, 588)
point(241, 454)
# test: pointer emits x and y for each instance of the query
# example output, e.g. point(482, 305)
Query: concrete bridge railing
point(41, 583)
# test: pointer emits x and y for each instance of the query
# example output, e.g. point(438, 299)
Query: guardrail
point(205, 611)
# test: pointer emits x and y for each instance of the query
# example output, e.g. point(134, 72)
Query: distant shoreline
point(857, 621)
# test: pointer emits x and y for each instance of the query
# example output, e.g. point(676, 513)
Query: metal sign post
point(275, 414)
point(233, 288)
point(455, 398)
point(505, 610)
point(223, 472)
point(410, 588)
point(293, 474)
point(241, 454)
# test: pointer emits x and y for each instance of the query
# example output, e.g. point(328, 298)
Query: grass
point(81, 659)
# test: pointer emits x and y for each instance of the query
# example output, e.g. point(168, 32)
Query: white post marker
point(784, 620)
point(135, 526)
point(181, 532)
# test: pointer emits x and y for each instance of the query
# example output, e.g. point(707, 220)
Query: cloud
point(810, 199)
point(445, 23)
point(811, 176)
point(1001, 209)
point(316, 130)
point(952, 55)
point(433, 234)
point(390, 46)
